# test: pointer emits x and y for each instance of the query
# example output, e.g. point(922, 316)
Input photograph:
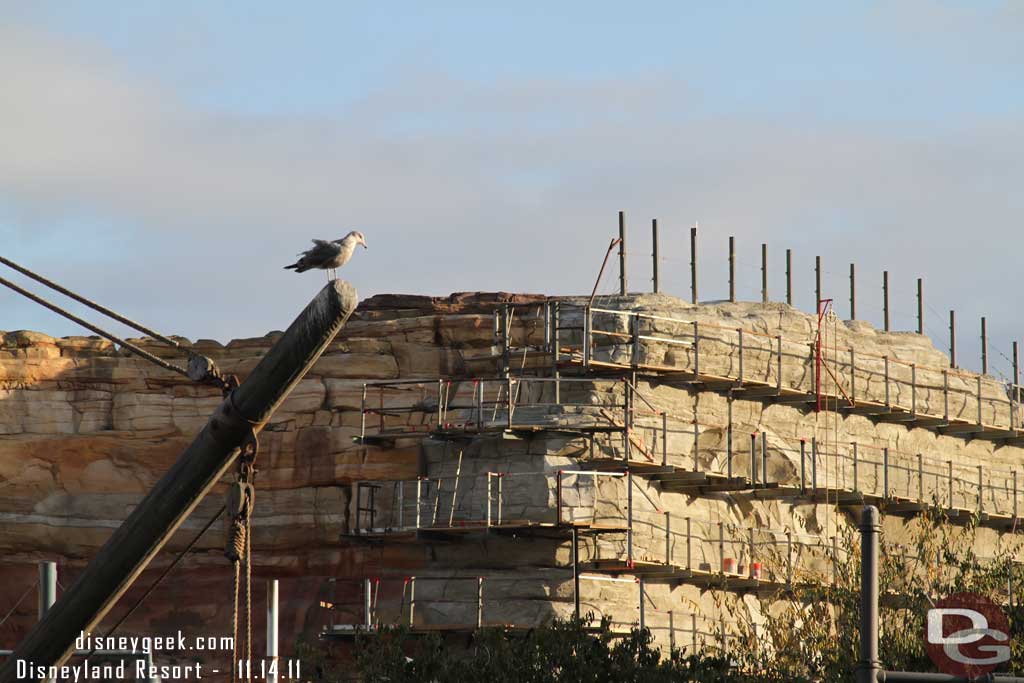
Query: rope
point(18, 603)
point(91, 304)
point(163, 575)
point(89, 326)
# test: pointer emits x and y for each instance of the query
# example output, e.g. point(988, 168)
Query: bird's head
point(357, 237)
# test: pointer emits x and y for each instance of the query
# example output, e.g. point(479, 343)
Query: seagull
point(329, 255)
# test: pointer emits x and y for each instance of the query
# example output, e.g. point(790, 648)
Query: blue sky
point(169, 158)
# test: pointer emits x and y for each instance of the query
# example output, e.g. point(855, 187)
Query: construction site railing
point(609, 338)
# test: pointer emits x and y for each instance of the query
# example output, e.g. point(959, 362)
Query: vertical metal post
point(367, 604)
point(622, 253)
point(508, 401)
point(501, 478)
point(732, 268)
point(913, 389)
point(588, 324)
point(920, 477)
point(640, 585)
point(817, 282)
point(803, 466)
point(885, 299)
point(654, 253)
point(885, 472)
point(853, 292)
point(869, 666)
point(764, 273)
point(487, 515)
point(945, 395)
point(576, 572)
point(419, 499)
point(689, 544)
point(635, 353)
point(856, 463)
point(952, 339)
point(671, 632)
point(728, 440)
point(664, 439)
point(789, 277)
point(440, 403)
point(984, 347)
point(47, 587)
point(778, 364)
point(693, 264)
point(629, 517)
point(949, 464)
point(412, 601)
point(978, 379)
point(479, 602)
point(1016, 370)
point(668, 537)
point(696, 442)
point(696, 351)
point(981, 490)
point(853, 377)
point(272, 629)
point(753, 459)
point(362, 417)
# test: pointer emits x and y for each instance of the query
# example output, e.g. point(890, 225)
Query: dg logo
point(967, 634)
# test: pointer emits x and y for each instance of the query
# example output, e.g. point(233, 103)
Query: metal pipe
point(984, 347)
point(693, 263)
point(622, 253)
point(869, 666)
point(764, 273)
point(732, 268)
point(576, 572)
point(952, 339)
point(853, 293)
point(885, 299)
point(47, 587)
point(817, 282)
point(147, 529)
point(789, 277)
point(654, 253)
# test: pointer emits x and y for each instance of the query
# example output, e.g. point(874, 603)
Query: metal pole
point(885, 298)
point(367, 604)
point(764, 273)
point(172, 499)
point(576, 572)
point(789, 277)
point(764, 458)
point(1016, 371)
point(622, 253)
point(952, 339)
point(984, 347)
point(920, 306)
point(732, 268)
point(47, 587)
point(869, 666)
point(753, 458)
point(853, 293)
point(654, 252)
point(817, 282)
point(693, 263)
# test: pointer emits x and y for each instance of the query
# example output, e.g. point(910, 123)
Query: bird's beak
point(364, 245)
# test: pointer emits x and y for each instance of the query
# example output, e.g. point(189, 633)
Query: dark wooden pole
point(732, 268)
point(693, 264)
point(137, 541)
point(622, 253)
point(654, 252)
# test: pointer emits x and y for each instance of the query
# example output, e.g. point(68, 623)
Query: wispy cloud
point(463, 185)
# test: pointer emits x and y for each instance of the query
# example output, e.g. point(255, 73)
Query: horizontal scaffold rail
point(754, 364)
point(627, 429)
point(464, 604)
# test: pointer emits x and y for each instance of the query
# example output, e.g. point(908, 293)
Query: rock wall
point(85, 430)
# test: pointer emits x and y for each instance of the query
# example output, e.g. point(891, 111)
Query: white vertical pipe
point(272, 612)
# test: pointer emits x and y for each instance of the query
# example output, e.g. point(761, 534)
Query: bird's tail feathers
point(297, 267)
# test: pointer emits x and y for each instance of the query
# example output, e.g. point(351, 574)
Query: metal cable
point(18, 603)
point(163, 575)
point(89, 326)
point(91, 304)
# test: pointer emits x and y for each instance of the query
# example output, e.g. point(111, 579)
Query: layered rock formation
point(86, 429)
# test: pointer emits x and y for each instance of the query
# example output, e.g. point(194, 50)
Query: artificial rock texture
point(86, 429)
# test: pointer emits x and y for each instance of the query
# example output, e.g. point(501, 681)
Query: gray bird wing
point(321, 253)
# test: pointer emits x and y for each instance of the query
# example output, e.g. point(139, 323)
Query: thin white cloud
point(509, 185)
